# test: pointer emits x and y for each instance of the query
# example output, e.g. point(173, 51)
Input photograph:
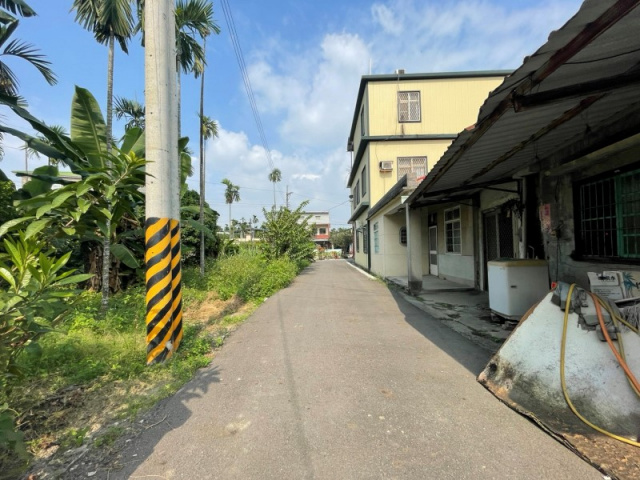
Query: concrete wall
point(391, 260)
point(381, 182)
point(452, 266)
point(556, 188)
point(359, 256)
point(448, 105)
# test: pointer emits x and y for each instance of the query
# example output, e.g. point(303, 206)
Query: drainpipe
point(523, 216)
point(409, 243)
point(368, 247)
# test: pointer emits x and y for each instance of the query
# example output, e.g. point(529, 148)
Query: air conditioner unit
point(386, 166)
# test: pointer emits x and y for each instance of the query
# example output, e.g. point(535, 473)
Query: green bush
point(236, 274)
point(250, 276)
point(277, 275)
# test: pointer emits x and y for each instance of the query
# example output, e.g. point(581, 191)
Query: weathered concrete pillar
point(414, 250)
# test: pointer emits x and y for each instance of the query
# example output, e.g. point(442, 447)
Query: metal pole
point(162, 226)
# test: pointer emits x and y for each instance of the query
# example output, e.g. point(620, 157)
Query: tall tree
point(208, 129)
point(194, 18)
point(108, 20)
point(231, 194)
point(275, 176)
point(17, 48)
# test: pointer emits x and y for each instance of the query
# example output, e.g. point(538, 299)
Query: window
point(362, 130)
point(609, 216)
point(403, 235)
point(363, 179)
point(376, 239)
point(322, 231)
point(452, 230)
point(365, 240)
point(357, 241)
point(408, 107)
point(357, 197)
point(415, 168)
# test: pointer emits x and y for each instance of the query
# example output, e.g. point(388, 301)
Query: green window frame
point(609, 216)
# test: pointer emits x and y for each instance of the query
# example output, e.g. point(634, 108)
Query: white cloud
point(305, 176)
point(316, 97)
point(386, 18)
point(319, 178)
point(463, 35)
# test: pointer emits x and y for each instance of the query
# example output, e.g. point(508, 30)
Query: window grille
point(362, 130)
point(609, 212)
point(408, 107)
point(357, 241)
point(376, 239)
point(415, 168)
point(403, 235)
point(357, 197)
point(498, 235)
point(452, 230)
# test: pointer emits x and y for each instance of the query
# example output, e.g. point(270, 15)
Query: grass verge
point(87, 377)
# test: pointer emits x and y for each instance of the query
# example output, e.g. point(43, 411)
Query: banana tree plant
point(108, 187)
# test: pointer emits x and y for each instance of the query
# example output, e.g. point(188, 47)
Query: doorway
point(433, 250)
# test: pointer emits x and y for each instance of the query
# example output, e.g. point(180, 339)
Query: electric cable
point(615, 319)
point(245, 78)
point(607, 337)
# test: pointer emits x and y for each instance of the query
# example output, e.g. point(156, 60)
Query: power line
point(245, 77)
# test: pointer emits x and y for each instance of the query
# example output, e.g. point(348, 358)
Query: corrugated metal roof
point(583, 81)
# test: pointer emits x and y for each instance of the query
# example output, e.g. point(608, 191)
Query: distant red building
point(322, 227)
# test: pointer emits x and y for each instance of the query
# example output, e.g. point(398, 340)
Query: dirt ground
point(64, 452)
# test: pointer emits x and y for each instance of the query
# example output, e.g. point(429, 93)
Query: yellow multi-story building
point(402, 124)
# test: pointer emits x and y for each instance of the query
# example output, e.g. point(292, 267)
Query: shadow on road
point(465, 352)
point(167, 415)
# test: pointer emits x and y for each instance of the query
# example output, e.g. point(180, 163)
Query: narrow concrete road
point(336, 377)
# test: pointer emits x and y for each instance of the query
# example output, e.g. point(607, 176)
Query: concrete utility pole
point(162, 223)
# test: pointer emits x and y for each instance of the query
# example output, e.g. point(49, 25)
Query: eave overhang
point(579, 93)
point(358, 211)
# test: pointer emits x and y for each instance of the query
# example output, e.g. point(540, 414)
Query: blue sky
point(305, 59)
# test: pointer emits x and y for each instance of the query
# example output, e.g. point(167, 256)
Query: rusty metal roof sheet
point(583, 83)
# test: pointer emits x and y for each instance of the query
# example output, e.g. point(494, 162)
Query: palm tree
point(193, 17)
point(131, 110)
point(108, 20)
point(275, 176)
point(208, 129)
point(17, 48)
point(18, 7)
point(231, 194)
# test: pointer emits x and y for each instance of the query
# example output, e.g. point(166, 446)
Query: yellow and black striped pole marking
point(164, 298)
point(176, 282)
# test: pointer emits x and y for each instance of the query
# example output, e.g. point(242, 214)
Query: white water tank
point(515, 285)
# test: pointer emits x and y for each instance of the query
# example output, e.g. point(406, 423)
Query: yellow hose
point(564, 384)
point(617, 317)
